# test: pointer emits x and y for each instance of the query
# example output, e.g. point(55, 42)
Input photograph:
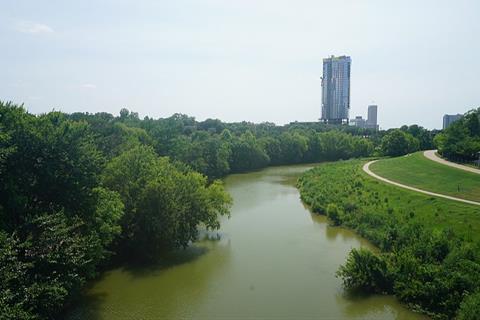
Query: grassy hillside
point(430, 245)
point(346, 184)
point(417, 171)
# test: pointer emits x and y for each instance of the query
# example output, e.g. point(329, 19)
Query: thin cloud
point(33, 27)
point(88, 86)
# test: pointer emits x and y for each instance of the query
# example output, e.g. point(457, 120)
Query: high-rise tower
point(336, 89)
point(448, 119)
point(372, 117)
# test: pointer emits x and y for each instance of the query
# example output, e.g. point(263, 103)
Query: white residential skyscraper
point(336, 89)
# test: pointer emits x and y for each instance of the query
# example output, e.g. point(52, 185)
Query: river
point(272, 259)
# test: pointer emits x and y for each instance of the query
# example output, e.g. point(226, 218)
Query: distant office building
point(358, 122)
point(448, 119)
point(372, 117)
point(336, 89)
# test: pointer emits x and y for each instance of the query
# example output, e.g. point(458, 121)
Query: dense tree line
point(407, 139)
point(430, 266)
point(461, 140)
point(72, 195)
point(215, 148)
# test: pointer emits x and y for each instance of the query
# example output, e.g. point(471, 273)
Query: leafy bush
point(470, 308)
point(333, 213)
point(366, 271)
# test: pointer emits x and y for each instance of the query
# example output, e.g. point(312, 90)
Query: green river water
point(272, 259)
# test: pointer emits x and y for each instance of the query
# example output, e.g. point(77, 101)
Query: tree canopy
point(398, 142)
point(461, 140)
point(164, 202)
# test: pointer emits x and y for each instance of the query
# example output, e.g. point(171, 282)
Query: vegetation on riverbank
point(430, 247)
point(79, 188)
point(417, 171)
point(66, 207)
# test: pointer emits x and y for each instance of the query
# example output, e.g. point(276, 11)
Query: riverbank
point(272, 259)
point(429, 244)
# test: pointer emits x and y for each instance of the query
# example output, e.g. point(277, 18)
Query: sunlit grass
point(417, 171)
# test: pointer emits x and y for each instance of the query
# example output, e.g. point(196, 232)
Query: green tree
point(52, 164)
point(335, 145)
point(293, 146)
point(45, 266)
point(205, 153)
point(109, 211)
point(397, 143)
point(247, 154)
point(424, 136)
point(366, 271)
point(461, 140)
point(470, 307)
point(273, 148)
point(164, 203)
point(173, 206)
point(55, 221)
point(362, 147)
point(128, 174)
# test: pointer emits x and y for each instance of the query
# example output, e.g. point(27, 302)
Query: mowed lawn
point(417, 171)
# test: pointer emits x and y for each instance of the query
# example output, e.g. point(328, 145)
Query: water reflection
point(358, 306)
point(169, 288)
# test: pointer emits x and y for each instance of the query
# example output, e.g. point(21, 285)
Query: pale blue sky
point(255, 60)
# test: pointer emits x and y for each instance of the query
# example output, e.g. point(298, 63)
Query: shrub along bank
point(430, 248)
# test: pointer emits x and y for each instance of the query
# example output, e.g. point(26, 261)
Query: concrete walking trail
point(366, 168)
point(432, 155)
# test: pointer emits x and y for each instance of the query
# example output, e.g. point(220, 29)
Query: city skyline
point(252, 60)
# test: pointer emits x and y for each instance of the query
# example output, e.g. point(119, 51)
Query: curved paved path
point(366, 168)
point(432, 155)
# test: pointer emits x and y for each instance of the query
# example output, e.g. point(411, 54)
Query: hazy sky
point(255, 60)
